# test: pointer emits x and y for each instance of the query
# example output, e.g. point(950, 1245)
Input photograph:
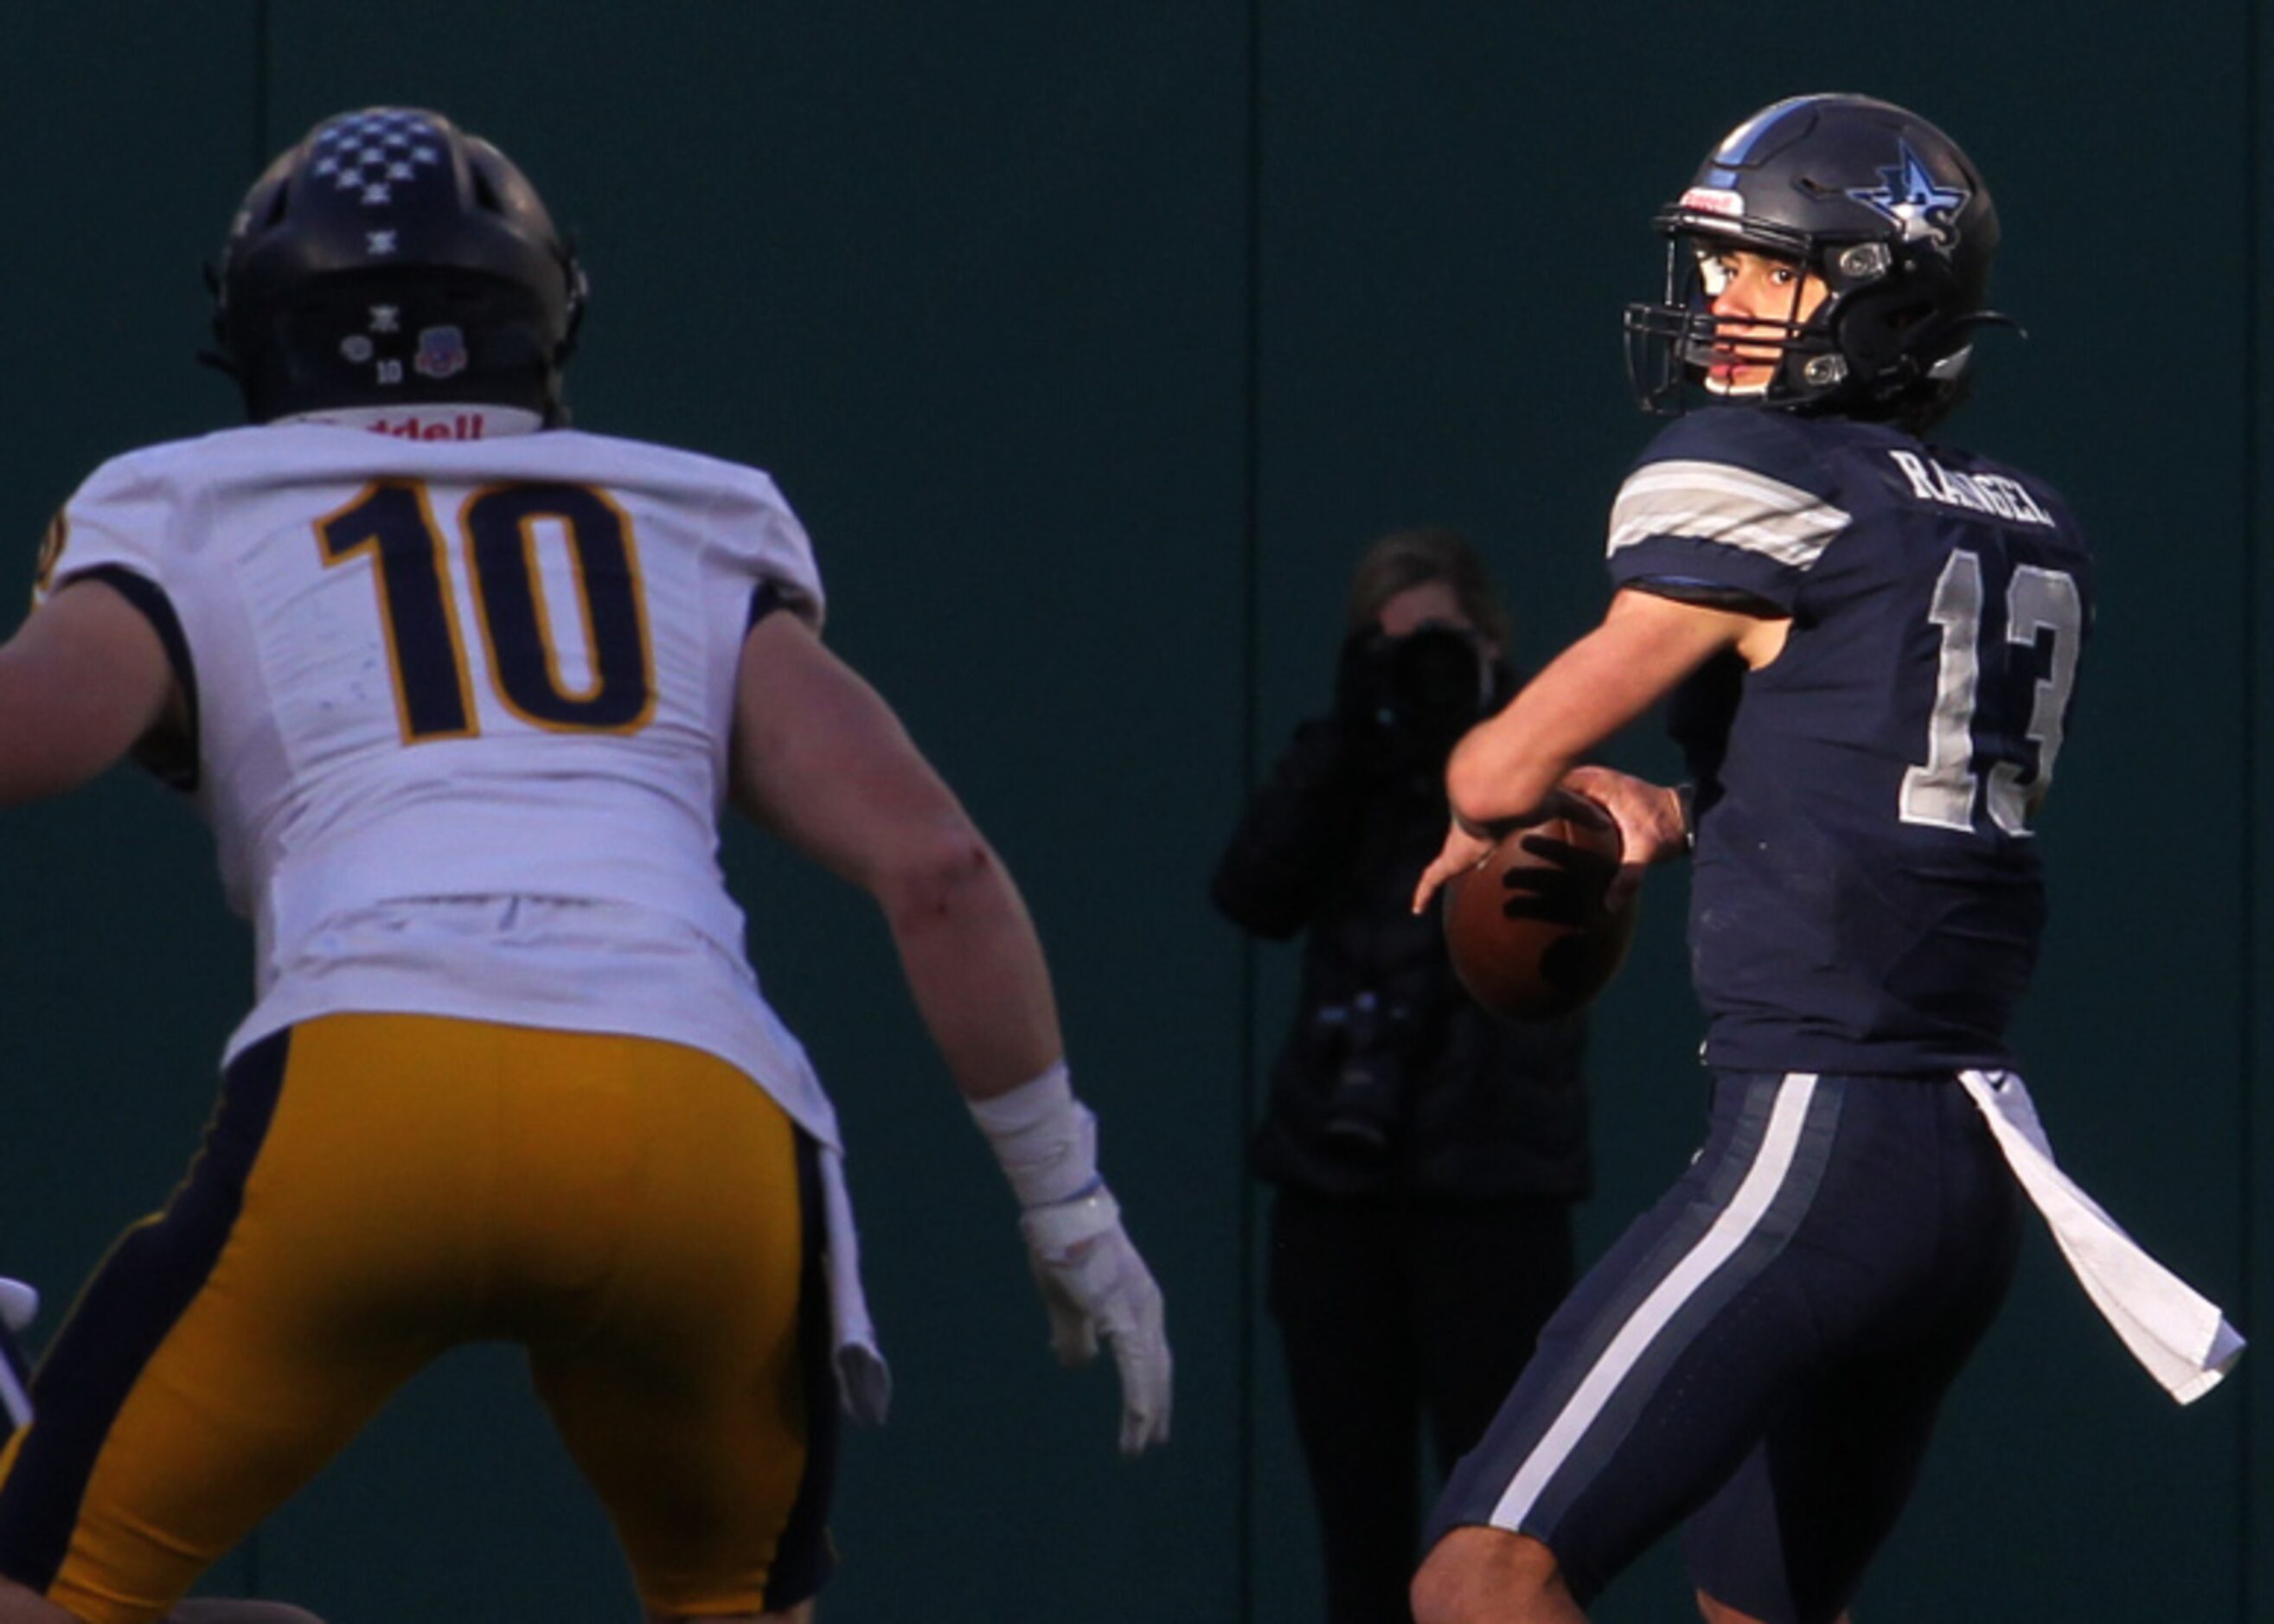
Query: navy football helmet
point(390, 259)
point(1877, 202)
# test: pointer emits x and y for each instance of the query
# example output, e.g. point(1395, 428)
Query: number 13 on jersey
point(393, 521)
point(2043, 610)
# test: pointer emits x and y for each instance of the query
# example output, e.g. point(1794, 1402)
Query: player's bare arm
point(1504, 768)
point(820, 759)
point(80, 683)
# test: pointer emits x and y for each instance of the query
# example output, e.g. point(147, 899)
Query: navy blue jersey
point(1866, 896)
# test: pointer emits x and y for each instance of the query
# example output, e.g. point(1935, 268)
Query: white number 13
point(1941, 793)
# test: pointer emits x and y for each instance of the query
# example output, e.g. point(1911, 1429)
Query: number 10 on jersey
point(393, 521)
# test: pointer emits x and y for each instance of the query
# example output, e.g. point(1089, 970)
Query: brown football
point(1527, 931)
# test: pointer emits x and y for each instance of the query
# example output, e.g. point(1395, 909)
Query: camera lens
point(1437, 675)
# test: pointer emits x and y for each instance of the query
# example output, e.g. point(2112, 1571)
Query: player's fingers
point(1073, 1340)
point(1433, 876)
point(1648, 816)
point(1145, 1402)
point(1140, 1353)
point(1596, 790)
point(1073, 1335)
point(1586, 810)
point(1461, 854)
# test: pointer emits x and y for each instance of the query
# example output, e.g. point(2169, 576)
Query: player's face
point(1749, 289)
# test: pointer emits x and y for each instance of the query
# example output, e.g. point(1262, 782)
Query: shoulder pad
point(1774, 443)
point(1726, 500)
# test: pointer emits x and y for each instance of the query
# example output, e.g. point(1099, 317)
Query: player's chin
point(1737, 380)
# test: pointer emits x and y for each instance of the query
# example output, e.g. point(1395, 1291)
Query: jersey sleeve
point(115, 524)
point(769, 547)
point(117, 528)
point(1726, 506)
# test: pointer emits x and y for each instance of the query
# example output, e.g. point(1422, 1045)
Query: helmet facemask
point(1677, 344)
point(1859, 352)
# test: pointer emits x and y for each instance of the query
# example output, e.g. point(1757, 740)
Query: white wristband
point(1044, 1138)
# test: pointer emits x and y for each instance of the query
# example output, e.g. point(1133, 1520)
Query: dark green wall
point(1092, 342)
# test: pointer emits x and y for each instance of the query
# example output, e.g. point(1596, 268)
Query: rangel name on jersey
point(1865, 886)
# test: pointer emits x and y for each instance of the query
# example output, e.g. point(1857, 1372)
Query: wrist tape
point(1053, 1232)
point(1045, 1140)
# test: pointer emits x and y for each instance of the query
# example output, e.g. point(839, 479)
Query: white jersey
point(462, 710)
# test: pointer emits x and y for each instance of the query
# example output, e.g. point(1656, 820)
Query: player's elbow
point(936, 875)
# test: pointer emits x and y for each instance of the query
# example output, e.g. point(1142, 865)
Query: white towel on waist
point(864, 1383)
point(2181, 1337)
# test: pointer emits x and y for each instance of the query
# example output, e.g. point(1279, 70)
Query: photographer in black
point(1425, 1154)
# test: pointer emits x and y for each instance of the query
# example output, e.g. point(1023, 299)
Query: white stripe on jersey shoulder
point(1780, 1142)
point(1735, 506)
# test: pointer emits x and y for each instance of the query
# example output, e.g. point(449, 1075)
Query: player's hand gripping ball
point(1526, 929)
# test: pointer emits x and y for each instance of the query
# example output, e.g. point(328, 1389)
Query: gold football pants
point(374, 1189)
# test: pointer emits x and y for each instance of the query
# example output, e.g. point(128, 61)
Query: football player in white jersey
point(462, 692)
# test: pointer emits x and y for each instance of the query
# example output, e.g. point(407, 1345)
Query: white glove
point(1094, 1284)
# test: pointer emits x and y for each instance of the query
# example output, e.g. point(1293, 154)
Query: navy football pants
point(1763, 1353)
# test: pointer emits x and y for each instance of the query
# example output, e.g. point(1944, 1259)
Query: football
point(1526, 929)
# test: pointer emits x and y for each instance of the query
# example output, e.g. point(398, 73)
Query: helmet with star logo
point(1892, 229)
point(390, 259)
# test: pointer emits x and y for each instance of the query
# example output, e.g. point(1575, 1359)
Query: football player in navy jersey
point(1869, 642)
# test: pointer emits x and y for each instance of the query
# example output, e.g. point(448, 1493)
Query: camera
point(1366, 1102)
point(1433, 683)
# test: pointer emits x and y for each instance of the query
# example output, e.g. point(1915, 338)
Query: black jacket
point(1444, 1100)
